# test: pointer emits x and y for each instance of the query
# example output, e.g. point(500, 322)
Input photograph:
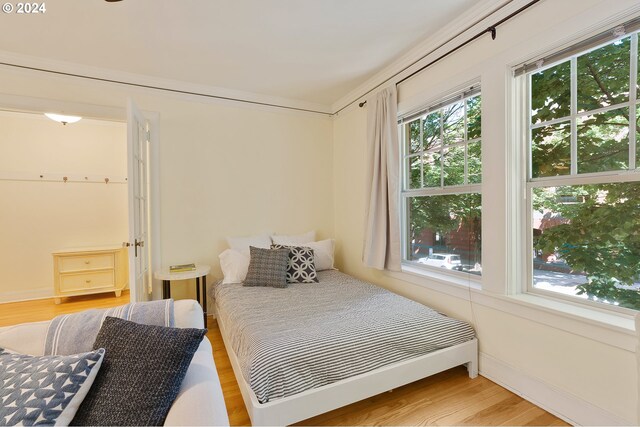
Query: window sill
point(442, 281)
point(608, 327)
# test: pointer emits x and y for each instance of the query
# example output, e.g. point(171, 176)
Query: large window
point(442, 185)
point(583, 183)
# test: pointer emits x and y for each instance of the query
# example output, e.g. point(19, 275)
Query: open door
point(139, 225)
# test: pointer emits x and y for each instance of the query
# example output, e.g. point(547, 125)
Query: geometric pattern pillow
point(267, 267)
point(301, 267)
point(44, 390)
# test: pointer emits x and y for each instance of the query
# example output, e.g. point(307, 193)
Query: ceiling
point(308, 50)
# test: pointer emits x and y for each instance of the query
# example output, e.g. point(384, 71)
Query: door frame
point(117, 114)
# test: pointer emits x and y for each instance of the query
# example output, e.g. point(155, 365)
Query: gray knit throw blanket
point(75, 333)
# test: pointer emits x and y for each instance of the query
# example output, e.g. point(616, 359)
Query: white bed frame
point(309, 403)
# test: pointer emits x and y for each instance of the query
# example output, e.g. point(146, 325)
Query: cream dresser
point(89, 271)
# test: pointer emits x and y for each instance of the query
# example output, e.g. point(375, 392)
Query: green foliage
point(599, 234)
point(441, 161)
point(444, 213)
point(603, 80)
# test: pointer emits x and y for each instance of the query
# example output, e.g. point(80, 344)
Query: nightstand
point(200, 272)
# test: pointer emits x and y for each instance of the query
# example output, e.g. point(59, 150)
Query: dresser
point(92, 270)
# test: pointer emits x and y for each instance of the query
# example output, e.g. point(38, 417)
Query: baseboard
point(26, 295)
point(562, 404)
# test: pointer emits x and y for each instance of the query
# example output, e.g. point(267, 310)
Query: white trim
point(309, 403)
point(585, 178)
point(567, 406)
point(446, 190)
point(109, 76)
point(420, 275)
point(576, 37)
point(573, 148)
point(602, 325)
point(154, 200)
point(633, 95)
point(35, 294)
point(580, 114)
point(516, 165)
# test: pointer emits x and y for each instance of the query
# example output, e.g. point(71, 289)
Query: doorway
point(66, 211)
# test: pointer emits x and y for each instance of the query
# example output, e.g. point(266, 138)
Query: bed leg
point(472, 368)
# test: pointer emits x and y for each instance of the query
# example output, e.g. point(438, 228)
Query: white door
point(138, 181)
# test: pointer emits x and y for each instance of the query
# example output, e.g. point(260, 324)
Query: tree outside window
point(583, 178)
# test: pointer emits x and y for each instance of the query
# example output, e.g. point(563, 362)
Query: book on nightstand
point(181, 268)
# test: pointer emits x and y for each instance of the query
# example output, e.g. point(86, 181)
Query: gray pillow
point(141, 373)
point(44, 389)
point(301, 267)
point(267, 267)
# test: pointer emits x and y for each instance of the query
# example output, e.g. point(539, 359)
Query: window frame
point(574, 178)
point(406, 193)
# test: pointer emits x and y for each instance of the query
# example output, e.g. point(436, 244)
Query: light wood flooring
point(448, 398)
point(13, 313)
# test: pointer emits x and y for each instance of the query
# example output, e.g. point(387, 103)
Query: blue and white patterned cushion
point(44, 390)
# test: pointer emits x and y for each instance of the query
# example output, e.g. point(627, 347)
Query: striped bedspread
point(312, 334)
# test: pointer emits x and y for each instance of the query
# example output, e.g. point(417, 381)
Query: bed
point(307, 349)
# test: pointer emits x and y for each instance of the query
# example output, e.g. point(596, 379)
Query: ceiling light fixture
point(60, 118)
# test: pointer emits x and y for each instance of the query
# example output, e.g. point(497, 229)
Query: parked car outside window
point(448, 261)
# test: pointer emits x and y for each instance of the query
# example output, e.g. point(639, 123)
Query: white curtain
point(382, 233)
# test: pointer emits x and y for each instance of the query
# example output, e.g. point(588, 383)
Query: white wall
point(226, 169)
point(229, 169)
point(582, 378)
point(40, 217)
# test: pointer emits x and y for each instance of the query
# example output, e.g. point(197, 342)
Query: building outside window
point(441, 194)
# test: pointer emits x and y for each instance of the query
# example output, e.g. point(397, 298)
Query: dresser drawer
point(85, 262)
point(79, 282)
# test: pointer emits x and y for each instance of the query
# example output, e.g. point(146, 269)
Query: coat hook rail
point(62, 178)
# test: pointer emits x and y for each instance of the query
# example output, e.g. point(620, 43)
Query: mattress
point(288, 340)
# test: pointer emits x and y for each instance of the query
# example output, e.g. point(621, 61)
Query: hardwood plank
point(448, 398)
point(45, 309)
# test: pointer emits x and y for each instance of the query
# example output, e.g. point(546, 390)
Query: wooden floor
point(448, 398)
point(45, 309)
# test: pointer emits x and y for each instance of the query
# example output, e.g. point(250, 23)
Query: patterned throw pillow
point(301, 267)
point(267, 267)
point(141, 374)
point(44, 390)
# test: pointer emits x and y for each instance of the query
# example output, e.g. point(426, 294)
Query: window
point(583, 181)
point(441, 194)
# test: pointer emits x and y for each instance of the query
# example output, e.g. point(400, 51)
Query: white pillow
point(234, 265)
point(242, 243)
point(295, 239)
point(323, 251)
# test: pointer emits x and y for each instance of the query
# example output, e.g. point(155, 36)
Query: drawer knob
point(88, 281)
point(87, 262)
